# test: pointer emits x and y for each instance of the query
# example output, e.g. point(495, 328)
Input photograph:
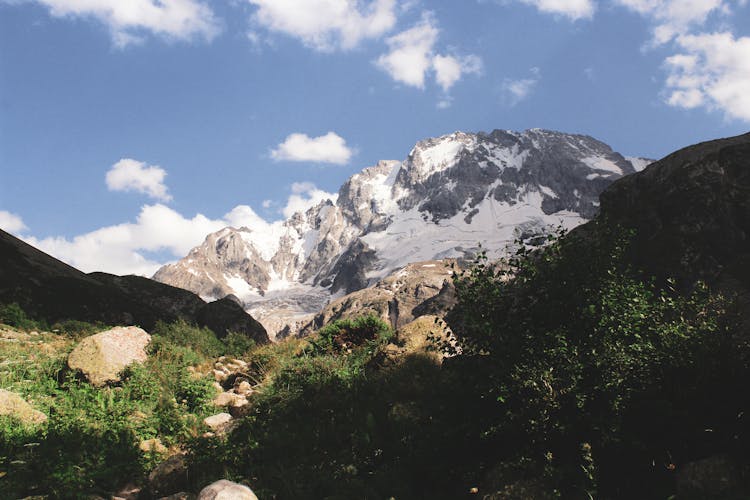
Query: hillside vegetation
point(571, 375)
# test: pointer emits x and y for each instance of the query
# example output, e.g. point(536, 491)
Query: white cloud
point(713, 71)
point(450, 69)
point(515, 91)
point(329, 148)
point(132, 175)
point(412, 55)
point(11, 223)
point(119, 249)
point(573, 9)
point(327, 25)
point(122, 248)
point(129, 20)
point(305, 195)
point(672, 17)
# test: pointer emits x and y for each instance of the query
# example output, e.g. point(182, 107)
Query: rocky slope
point(451, 194)
point(54, 291)
point(691, 216)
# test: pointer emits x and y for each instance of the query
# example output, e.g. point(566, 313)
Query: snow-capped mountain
point(451, 194)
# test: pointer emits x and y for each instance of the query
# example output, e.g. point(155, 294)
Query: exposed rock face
point(393, 299)
point(15, 406)
point(226, 490)
point(52, 290)
point(449, 195)
point(103, 356)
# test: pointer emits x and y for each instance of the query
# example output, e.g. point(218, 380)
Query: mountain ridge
point(449, 194)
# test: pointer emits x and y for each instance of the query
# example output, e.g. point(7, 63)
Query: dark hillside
point(50, 290)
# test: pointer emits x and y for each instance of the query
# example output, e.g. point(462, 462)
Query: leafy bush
point(13, 315)
point(596, 373)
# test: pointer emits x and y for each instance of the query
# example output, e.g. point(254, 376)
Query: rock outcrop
point(690, 212)
point(102, 357)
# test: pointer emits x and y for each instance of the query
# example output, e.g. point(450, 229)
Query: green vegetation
point(602, 382)
point(571, 375)
point(90, 444)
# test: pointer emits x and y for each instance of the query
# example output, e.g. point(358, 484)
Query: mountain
point(451, 194)
point(49, 289)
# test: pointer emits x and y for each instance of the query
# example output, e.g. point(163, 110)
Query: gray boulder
point(103, 356)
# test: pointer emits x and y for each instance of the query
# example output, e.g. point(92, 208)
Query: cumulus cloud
point(329, 148)
point(120, 248)
point(515, 91)
point(124, 248)
point(305, 195)
point(672, 17)
point(129, 20)
point(326, 25)
point(133, 175)
point(11, 223)
point(412, 56)
point(573, 9)
point(711, 70)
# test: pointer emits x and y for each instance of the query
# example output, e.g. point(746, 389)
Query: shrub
point(595, 372)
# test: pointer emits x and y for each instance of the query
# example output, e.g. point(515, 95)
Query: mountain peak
point(448, 195)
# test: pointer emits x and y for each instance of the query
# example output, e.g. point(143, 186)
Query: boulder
point(218, 421)
point(103, 356)
point(226, 490)
point(14, 405)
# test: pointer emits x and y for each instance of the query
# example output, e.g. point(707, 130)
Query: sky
point(129, 130)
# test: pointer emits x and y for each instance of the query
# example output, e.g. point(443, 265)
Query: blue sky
point(131, 129)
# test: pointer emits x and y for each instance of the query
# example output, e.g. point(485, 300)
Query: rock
point(239, 407)
point(226, 490)
point(243, 387)
point(711, 478)
point(229, 399)
point(168, 477)
point(14, 405)
point(218, 421)
point(153, 445)
point(103, 356)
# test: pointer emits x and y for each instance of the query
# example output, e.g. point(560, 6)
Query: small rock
point(216, 422)
point(226, 490)
point(239, 407)
point(14, 405)
point(226, 398)
point(243, 388)
point(219, 375)
point(153, 445)
point(103, 356)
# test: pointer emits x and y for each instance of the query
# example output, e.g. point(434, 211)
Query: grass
point(90, 443)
